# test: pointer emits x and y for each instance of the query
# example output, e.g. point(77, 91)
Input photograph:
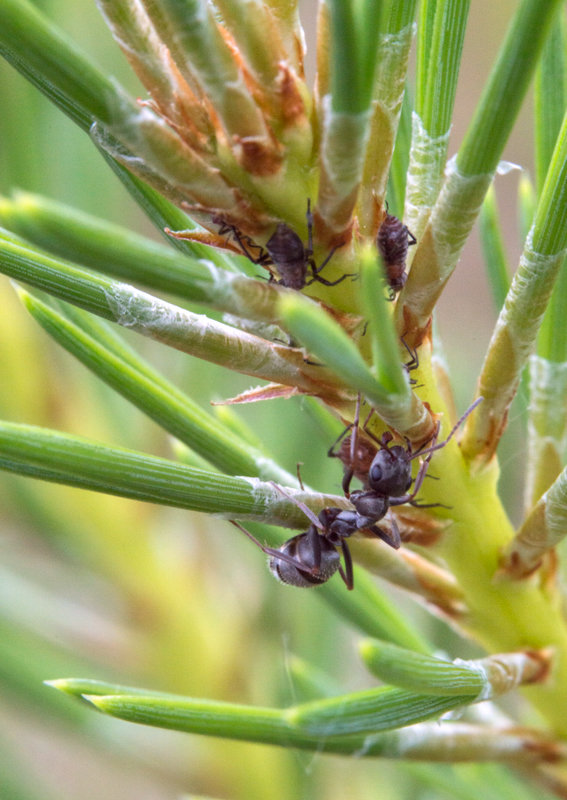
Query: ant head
point(309, 568)
point(390, 471)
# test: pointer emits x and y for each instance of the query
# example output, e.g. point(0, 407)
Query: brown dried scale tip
point(393, 241)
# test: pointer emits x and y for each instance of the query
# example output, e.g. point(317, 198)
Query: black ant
point(311, 558)
point(285, 250)
point(386, 474)
point(393, 241)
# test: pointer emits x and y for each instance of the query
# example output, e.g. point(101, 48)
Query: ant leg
point(367, 420)
point(317, 278)
point(275, 553)
point(316, 269)
point(245, 242)
point(331, 452)
point(347, 573)
point(298, 469)
point(355, 424)
point(309, 218)
point(393, 538)
point(422, 472)
point(423, 467)
point(411, 238)
point(306, 510)
point(417, 504)
point(413, 363)
point(315, 544)
point(384, 440)
point(224, 227)
point(435, 446)
point(347, 477)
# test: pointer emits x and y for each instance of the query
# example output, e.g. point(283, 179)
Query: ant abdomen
point(320, 562)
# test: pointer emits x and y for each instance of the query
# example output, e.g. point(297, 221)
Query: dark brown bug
point(363, 457)
point(286, 252)
point(393, 241)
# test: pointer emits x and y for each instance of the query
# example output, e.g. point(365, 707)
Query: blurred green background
point(107, 588)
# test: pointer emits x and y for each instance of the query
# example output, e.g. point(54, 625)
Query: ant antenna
point(306, 510)
point(298, 469)
point(451, 434)
point(354, 435)
point(269, 551)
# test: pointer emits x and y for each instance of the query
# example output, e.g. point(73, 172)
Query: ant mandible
point(285, 250)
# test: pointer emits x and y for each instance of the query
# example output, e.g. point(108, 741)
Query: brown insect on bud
point(286, 252)
point(393, 241)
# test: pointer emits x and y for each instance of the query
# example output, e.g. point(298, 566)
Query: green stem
point(493, 249)
point(442, 30)
point(47, 58)
point(516, 330)
point(541, 533)
point(75, 461)
point(388, 94)
point(295, 727)
point(119, 253)
point(329, 342)
point(346, 112)
point(152, 317)
point(150, 392)
point(465, 186)
point(547, 426)
point(507, 86)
